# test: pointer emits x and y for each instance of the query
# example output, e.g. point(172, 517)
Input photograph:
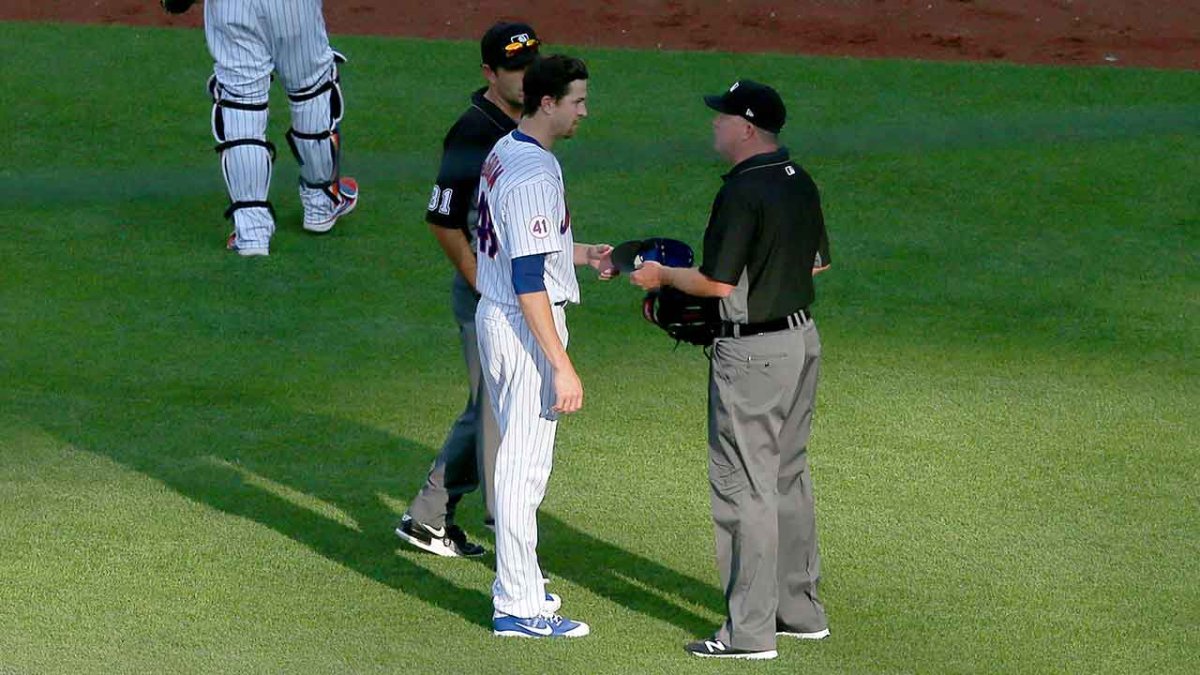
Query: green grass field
point(202, 456)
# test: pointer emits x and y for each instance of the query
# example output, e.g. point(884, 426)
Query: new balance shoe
point(815, 635)
point(348, 195)
point(245, 251)
point(548, 625)
point(715, 649)
point(448, 542)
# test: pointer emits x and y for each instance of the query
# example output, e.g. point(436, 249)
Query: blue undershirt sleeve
point(528, 274)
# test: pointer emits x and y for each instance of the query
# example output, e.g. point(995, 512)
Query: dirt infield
point(1144, 33)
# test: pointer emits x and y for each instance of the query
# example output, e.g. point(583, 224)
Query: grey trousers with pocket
point(467, 459)
point(762, 390)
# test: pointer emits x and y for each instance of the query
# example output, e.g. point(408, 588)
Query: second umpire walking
point(469, 453)
point(766, 232)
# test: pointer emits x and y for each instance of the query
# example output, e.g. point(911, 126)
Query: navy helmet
point(630, 255)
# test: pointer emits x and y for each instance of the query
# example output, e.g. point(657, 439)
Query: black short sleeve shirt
point(467, 143)
point(765, 234)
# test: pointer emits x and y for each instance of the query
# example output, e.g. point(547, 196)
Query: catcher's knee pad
point(240, 128)
point(314, 137)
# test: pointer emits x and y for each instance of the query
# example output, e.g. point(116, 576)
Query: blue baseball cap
point(630, 255)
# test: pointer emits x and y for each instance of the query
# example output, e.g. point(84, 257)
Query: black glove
point(177, 6)
point(687, 318)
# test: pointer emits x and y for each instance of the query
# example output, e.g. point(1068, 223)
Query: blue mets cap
point(630, 255)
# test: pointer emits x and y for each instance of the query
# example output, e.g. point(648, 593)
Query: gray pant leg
point(799, 567)
point(469, 451)
point(754, 384)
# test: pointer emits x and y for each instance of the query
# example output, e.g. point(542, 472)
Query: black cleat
point(715, 649)
point(448, 542)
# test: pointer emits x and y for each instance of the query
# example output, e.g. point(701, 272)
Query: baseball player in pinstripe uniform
point(250, 41)
point(526, 275)
point(468, 457)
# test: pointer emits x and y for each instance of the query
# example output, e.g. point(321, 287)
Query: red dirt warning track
point(1143, 33)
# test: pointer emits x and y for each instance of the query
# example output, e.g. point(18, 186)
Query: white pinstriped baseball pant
point(520, 382)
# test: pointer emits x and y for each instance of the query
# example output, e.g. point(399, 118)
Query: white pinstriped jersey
point(523, 211)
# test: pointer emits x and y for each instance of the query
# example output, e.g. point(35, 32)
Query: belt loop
point(737, 330)
point(791, 321)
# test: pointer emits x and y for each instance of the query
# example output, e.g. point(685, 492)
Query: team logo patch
point(539, 226)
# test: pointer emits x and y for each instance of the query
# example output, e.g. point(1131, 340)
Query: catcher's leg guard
point(240, 127)
point(316, 143)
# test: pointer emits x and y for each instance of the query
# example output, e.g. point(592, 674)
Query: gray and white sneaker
point(814, 635)
point(322, 209)
point(447, 542)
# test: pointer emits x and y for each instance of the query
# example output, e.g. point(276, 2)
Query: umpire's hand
point(650, 276)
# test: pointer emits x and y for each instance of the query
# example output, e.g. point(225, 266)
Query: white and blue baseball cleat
point(552, 604)
point(544, 626)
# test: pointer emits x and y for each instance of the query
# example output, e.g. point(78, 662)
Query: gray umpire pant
point(469, 452)
point(761, 394)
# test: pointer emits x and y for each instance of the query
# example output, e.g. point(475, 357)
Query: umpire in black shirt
point(468, 457)
point(764, 243)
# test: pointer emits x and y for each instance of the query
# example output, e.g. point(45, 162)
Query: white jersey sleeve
point(532, 212)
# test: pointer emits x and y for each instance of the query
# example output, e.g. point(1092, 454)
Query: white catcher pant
point(249, 40)
point(520, 383)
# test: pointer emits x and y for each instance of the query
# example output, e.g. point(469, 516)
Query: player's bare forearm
point(457, 249)
point(536, 308)
point(690, 280)
point(596, 256)
point(568, 390)
point(580, 254)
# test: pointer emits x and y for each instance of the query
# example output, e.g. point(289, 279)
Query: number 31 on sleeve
point(440, 200)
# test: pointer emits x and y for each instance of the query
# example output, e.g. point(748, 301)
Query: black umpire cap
point(757, 103)
point(509, 45)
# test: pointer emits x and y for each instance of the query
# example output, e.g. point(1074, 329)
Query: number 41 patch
point(539, 226)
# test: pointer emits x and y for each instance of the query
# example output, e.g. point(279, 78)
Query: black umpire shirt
point(466, 146)
point(764, 236)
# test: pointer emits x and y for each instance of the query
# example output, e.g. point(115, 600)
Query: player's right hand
point(568, 390)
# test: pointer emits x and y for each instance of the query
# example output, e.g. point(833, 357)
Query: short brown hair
point(550, 76)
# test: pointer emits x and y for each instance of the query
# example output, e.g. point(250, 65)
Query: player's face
point(570, 109)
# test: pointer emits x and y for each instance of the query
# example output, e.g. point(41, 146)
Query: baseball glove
point(177, 6)
point(687, 318)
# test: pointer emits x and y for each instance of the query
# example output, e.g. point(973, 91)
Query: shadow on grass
point(323, 482)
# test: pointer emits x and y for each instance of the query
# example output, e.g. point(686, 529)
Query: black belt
point(790, 322)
